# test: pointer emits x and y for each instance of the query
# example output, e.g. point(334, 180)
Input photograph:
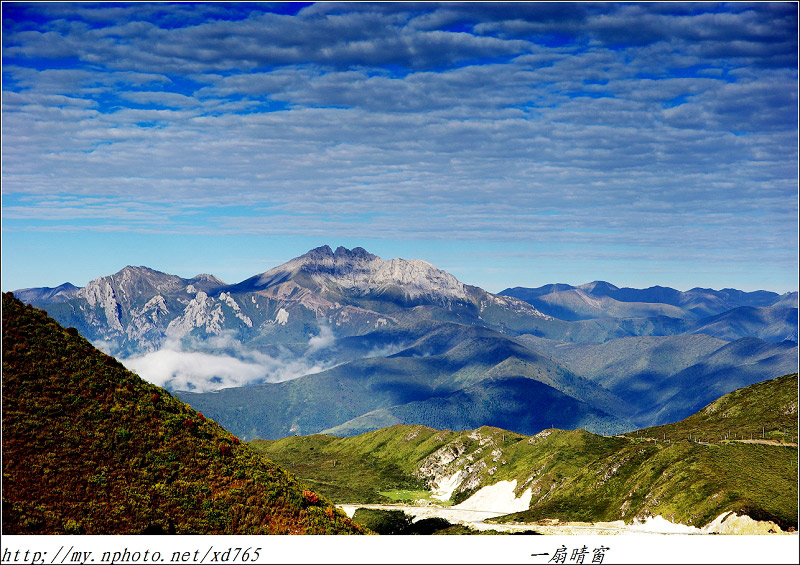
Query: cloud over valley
point(220, 362)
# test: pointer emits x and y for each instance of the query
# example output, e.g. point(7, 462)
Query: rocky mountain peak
point(357, 253)
point(141, 270)
point(364, 273)
point(342, 258)
point(128, 283)
point(320, 253)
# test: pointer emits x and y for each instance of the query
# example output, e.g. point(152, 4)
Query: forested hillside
point(90, 448)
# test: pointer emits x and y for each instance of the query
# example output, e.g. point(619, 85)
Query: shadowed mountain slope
point(701, 302)
point(577, 304)
point(451, 364)
point(774, 324)
point(670, 377)
point(514, 403)
point(44, 295)
point(88, 447)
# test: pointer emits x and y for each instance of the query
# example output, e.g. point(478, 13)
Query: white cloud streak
point(223, 362)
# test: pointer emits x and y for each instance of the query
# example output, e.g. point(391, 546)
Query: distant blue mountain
point(726, 313)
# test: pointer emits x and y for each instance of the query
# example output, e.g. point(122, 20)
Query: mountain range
point(727, 313)
point(352, 291)
point(344, 341)
point(599, 299)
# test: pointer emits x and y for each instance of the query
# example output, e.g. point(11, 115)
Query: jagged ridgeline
point(89, 447)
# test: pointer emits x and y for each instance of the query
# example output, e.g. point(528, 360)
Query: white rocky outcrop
point(201, 312)
point(731, 523)
point(100, 292)
point(147, 323)
point(725, 523)
point(443, 488)
point(118, 292)
point(228, 299)
point(282, 317)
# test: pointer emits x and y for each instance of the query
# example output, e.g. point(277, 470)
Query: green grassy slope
point(405, 449)
point(766, 410)
point(359, 468)
point(681, 481)
point(364, 461)
point(575, 475)
point(88, 447)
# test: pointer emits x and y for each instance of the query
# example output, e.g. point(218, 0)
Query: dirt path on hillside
point(767, 442)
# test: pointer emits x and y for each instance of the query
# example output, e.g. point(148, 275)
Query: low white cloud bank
point(106, 346)
point(195, 370)
point(323, 340)
point(220, 362)
point(386, 350)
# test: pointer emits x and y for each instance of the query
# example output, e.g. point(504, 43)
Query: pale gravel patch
point(498, 497)
point(726, 523)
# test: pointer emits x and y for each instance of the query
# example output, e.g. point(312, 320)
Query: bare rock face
point(362, 273)
point(138, 310)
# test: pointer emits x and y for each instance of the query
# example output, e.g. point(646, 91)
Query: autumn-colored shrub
point(310, 496)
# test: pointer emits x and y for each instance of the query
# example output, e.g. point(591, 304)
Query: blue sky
point(510, 144)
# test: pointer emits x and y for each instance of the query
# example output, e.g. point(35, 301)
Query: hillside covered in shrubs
point(90, 448)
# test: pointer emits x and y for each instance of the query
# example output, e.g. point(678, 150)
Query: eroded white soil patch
point(498, 497)
point(446, 485)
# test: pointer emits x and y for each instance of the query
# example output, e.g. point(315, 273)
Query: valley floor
point(724, 524)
